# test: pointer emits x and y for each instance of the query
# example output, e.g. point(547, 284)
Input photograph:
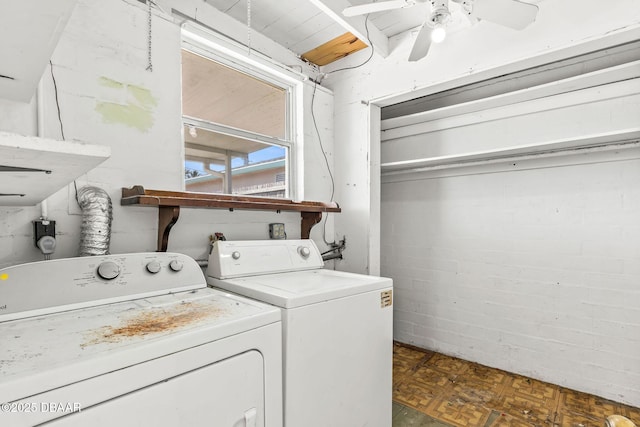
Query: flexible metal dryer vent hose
point(95, 233)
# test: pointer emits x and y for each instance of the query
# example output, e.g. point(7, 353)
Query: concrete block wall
point(462, 285)
point(530, 264)
point(100, 58)
point(469, 55)
point(100, 61)
point(534, 271)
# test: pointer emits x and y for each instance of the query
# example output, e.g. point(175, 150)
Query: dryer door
point(229, 393)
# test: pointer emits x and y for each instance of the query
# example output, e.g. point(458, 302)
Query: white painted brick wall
point(109, 40)
point(501, 261)
point(532, 271)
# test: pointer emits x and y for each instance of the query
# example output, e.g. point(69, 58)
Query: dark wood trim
point(170, 202)
point(167, 217)
point(309, 219)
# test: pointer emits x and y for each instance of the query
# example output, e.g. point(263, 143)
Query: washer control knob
point(235, 255)
point(108, 270)
point(175, 265)
point(153, 267)
point(304, 251)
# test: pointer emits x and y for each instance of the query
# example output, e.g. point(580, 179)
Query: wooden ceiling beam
point(355, 25)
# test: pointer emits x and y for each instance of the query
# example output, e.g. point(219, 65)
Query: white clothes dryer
point(337, 329)
point(134, 340)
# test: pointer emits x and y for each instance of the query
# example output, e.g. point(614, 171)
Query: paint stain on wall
point(135, 111)
point(105, 81)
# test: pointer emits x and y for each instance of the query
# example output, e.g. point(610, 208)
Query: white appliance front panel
point(227, 393)
point(41, 353)
point(230, 259)
point(338, 363)
point(90, 393)
point(299, 288)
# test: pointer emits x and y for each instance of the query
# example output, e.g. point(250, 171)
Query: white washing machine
point(337, 329)
point(134, 340)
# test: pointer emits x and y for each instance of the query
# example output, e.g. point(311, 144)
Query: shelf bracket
point(167, 217)
point(4, 168)
point(309, 219)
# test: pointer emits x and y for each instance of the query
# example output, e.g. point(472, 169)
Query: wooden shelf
point(170, 202)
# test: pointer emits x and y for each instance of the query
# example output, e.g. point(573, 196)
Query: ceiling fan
point(509, 13)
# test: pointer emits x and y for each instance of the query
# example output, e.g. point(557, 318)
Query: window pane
point(260, 176)
point(257, 169)
point(216, 93)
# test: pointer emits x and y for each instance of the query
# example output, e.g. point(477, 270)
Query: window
point(237, 119)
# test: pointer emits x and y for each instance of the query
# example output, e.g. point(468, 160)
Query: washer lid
point(300, 288)
point(41, 353)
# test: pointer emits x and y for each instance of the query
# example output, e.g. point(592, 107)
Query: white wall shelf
point(29, 33)
point(32, 168)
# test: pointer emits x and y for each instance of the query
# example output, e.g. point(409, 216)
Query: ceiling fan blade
point(380, 6)
point(422, 44)
point(509, 13)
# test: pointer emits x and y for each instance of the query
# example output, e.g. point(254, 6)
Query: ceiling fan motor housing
point(440, 14)
point(465, 5)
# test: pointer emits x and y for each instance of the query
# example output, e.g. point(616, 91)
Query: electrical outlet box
point(276, 231)
point(43, 228)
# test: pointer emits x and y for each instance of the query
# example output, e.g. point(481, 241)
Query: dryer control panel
point(241, 258)
point(64, 284)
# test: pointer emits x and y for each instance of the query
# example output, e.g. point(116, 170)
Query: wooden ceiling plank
point(335, 49)
point(355, 25)
point(312, 41)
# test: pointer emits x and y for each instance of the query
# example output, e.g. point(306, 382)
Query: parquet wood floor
point(466, 394)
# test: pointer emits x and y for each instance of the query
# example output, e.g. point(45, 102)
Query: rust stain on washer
point(153, 321)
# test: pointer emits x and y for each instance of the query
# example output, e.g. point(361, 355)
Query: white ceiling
point(295, 24)
point(398, 21)
point(302, 25)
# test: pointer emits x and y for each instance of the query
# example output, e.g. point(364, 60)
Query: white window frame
point(218, 48)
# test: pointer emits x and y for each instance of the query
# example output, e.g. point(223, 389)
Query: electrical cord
point(326, 160)
point(366, 27)
point(55, 88)
point(315, 125)
point(55, 92)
